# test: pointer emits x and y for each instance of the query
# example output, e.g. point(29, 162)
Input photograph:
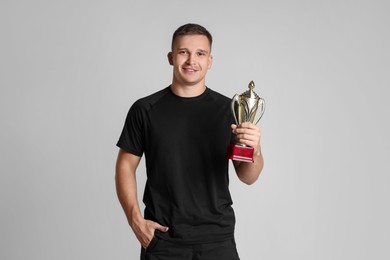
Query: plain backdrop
point(70, 70)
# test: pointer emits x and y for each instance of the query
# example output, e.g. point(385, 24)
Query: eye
point(183, 52)
point(201, 54)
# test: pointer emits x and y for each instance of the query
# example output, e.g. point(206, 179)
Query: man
point(184, 131)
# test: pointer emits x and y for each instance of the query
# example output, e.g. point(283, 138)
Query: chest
point(189, 124)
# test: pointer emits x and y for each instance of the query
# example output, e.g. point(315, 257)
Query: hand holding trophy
point(247, 107)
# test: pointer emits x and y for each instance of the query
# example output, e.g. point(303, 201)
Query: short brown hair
point(191, 29)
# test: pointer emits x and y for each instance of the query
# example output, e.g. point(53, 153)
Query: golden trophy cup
point(246, 107)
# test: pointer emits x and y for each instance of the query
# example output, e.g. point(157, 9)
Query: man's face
point(190, 59)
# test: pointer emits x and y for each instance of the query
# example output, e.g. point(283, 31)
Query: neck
point(188, 91)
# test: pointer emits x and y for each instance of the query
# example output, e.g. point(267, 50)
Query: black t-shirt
point(184, 141)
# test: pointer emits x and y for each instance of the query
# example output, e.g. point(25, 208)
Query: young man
point(184, 131)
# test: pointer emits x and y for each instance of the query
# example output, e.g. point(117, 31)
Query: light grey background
point(69, 71)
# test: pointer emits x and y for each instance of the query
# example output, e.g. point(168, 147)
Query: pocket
point(152, 245)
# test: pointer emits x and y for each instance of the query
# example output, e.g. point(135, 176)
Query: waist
point(195, 229)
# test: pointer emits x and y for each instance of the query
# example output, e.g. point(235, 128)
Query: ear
point(170, 58)
point(210, 62)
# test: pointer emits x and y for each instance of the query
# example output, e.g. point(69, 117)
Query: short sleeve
point(132, 136)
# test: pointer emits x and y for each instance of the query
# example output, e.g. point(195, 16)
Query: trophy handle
point(262, 109)
point(234, 101)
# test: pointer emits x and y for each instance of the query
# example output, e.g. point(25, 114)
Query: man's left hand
point(248, 134)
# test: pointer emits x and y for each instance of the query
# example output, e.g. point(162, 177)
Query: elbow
point(249, 181)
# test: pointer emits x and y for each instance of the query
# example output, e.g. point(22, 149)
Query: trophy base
point(240, 153)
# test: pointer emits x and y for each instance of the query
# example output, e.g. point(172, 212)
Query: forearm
point(126, 187)
point(249, 172)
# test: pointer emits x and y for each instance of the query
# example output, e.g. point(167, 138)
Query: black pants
point(164, 250)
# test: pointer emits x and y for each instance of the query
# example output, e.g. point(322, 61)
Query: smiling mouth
point(189, 69)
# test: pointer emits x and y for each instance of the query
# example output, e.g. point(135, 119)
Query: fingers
point(145, 231)
point(247, 133)
point(161, 228)
point(245, 125)
point(246, 129)
point(156, 226)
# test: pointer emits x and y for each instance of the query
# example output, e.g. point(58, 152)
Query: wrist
point(257, 152)
point(135, 218)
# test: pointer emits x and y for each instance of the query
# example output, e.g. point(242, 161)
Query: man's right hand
point(144, 231)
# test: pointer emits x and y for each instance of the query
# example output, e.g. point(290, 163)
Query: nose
point(191, 59)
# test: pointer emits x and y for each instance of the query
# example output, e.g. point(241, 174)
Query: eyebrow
point(203, 51)
point(198, 50)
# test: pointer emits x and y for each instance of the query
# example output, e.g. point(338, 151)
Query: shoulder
point(149, 101)
point(218, 97)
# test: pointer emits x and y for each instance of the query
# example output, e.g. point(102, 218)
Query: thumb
point(161, 228)
point(234, 127)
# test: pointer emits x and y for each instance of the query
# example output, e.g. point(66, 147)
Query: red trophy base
point(240, 153)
